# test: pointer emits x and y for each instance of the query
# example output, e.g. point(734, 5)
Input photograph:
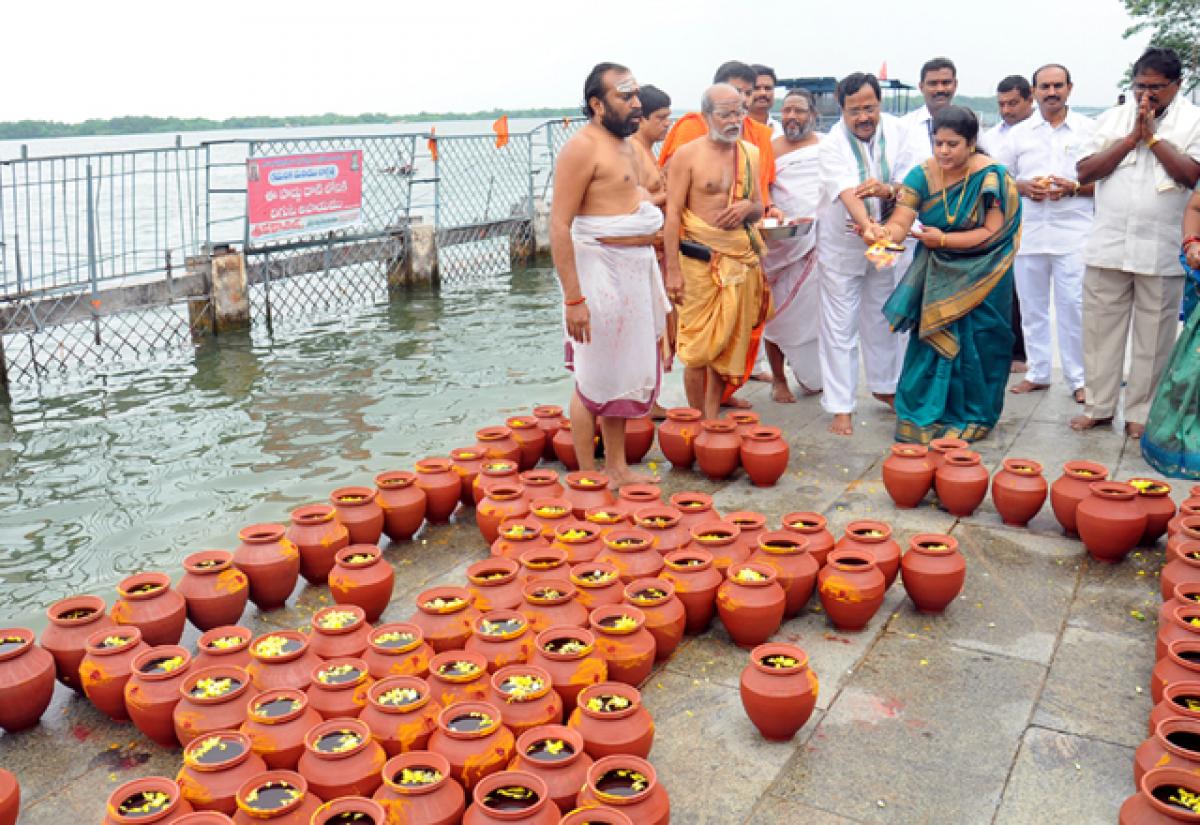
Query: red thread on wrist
point(575, 302)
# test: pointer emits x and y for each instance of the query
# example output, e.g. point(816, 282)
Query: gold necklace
point(952, 216)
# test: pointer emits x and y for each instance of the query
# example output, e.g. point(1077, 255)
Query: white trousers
point(852, 297)
point(1035, 275)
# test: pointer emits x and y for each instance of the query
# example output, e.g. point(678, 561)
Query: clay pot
point(397, 649)
point(612, 720)
point(10, 798)
point(445, 616)
point(1071, 488)
point(1180, 699)
point(623, 642)
point(717, 449)
point(634, 497)
point(677, 436)
point(403, 504)
point(215, 767)
point(933, 571)
point(474, 741)
point(503, 501)
point(1144, 809)
point(907, 474)
point(549, 514)
point(152, 691)
point(874, 537)
point(720, 539)
point(568, 654)
point(134, 796)
point(665, 614)
point(148, 603)
point(442, 487)
point(457, 676)
point(1189, 531)
point(417, 787)
point(512, 798)
point(1154, 497)
point(764, 455)
point(1174, 743)
point(814, 528)
point(694, 508)
point(609, 783)
point(318, 536)
point(796, 570)
point(563, 444)
point(497, 443)
point(358, 510)
point(501, 637)
point(215, 594)
point(400, 713)
point(526, 698)
point(1187, 507)
point(1182, 595)
point(939, 447)
point(750, 526)
point(586, 490)
point(467, 463)
point(596, 816)
point(362, 577)
point(281, 659)
point(517, 536)
point(210, 700)
point(1111, 521)
point(270, 561)
point(225, 645)
point(961, 482)
point(1181, 570)
point(1181, 664)
point(338, 687)
point(349, 809)
point(555, 754)
point(696, 582)
point(639, 438)
point(665, 526)
point(72, 621)
point(255, 800)
point(1177, 627)
point(26, 679)
point(549, 420)
point(276, 722)
point(339, 632)
point(541, 483)
point(341, 759)
point(779, 690)
point(530, 439)
point(751, 603)
point(599, 583)
point(551, 602)
point(632, 552)
point(494, 471)
point(1019, 491)
point(106, 668)
point(494, 584)
point(851, 587)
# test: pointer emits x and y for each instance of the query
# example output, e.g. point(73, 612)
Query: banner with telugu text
point(294, 195)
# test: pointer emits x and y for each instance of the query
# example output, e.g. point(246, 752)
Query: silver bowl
point(778, 233)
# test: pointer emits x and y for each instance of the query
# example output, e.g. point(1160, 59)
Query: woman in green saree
point(956, 298)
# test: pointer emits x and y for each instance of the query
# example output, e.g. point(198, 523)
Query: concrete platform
point(1021, 704)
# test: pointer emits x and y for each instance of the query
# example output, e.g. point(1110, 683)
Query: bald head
point(719, 94)
point(723, 110)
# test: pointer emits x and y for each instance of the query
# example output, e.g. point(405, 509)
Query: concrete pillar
point(228, 292)
point(421, 262)
point(541, 227)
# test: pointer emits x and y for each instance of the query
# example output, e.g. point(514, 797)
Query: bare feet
point(1134, 429)
point(761, 376)
point(620, 477)
point(842, 424)
point(780, 393)
point(1080, 396)
point(888, 398)
point(737, 403)
point(1018, 367)
point(1027, 386)
point(807, 390)
point(1083, 422)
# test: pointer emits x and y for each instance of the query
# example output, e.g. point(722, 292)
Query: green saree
point(1171, 443)
point(958, 306)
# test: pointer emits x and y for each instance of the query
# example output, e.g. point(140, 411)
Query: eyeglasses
point(859, 111)
point(1152, 87)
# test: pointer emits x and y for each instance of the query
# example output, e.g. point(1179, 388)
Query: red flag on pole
point(432, 143)
point(883, 71)
point(500, 127)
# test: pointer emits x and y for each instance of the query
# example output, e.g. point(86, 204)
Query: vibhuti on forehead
point(626, 85)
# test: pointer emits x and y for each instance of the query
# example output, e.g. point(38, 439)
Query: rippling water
point(133, 470)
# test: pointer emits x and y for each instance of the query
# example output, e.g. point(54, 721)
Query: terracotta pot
point(939, 447)
point(341, 759)
point(744, 421)
point(148, 603)
point(494, 471)
point(694, 508)
point(503, 501)
point(563, 444)
point(555, 754)
point(1181, 699)
point(215, 767)
point(10, 798)
point(1181, 570)
point(354, 809)
point(1181, 664)
point(403, 504)
point(1071, 488)
point(750, 526)
point(1182, 595)
point(281, 659)
point(1019, 491)
point(720, 539)
point(1144, 809)
point(466, 463)
point(632, 552)
point(152, 691)
point(457, 676)
point(211, 700)
point(1178, 627)
point(417, 787)
point(260, 800)
point(338, 687)
point(225, 645)
point(1111, 521)
point(551, 602)
point(339, 632)
point(494, 584)
point(874, 537)
point(26, 679)
point(529, 437)
point(526, 698)
point(665, 526)
point(215, 594)
point(639, 438)
point(611, 781)
point(318, 536)
point(397, 649)
point(787, 553)
point(1187, 507)
point(361, 576)
point(106, 667)
point(498, 442)
point(933, 571)
point(1175, 743)
point(442, 487)
point(474, 741)
point(623, 642)
point(961, 482)
point(540, 564)
point(596, 816)
point(717, 449)
point(779, 690)
point(71, 622)
point(599, 583)
point(586, 490)
point(751, 603)
point(677, 436)
point(1189, 531)
point(270, 561)
point(445, 616)
point(1154, 497)
point(541, 483)
point(764, 455)
point(517, 536)
point(612, 720)
point(634, 497)
point(358, 510)
point(549, 420)
point(512, 797)
point(400, 714)
point(501, 637)
point(665, 614)
point(132, 802)
point(851, 587)
point(814, 528)
point(696, 582)
point(276, 722)
point(907, 474)
point(549, 514)
point(568, 654)
point(204, 818)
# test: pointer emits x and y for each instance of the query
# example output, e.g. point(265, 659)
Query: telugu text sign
point(294, 195)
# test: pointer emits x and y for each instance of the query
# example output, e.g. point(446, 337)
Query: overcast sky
point(74, 60)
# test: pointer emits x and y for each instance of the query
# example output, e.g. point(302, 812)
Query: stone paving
point(1022, 704)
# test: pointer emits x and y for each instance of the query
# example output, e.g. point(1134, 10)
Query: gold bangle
point(1153, 140)
point(941, 240)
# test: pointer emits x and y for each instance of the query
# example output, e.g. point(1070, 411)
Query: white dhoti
point(618, 372)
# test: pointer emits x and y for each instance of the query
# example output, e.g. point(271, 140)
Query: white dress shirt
point(919, 123)
point(994, 140)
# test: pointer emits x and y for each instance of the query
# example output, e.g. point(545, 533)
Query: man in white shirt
point(863, 161)
point(1056, 214)
point(939, 82)
point(1014, 98)
point(1145, 159)
point(763, 98)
